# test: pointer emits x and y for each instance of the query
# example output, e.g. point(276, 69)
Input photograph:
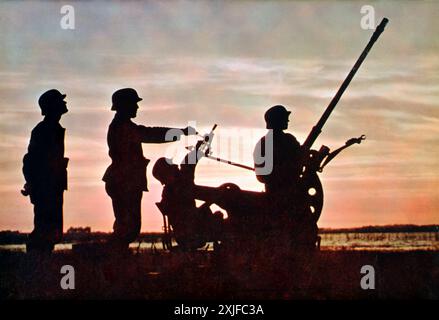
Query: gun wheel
point(312, 192)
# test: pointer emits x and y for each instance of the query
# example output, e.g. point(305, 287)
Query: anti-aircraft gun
point(315, 161)
point(248, 211)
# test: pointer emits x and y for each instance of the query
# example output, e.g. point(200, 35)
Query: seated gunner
point(193, 226)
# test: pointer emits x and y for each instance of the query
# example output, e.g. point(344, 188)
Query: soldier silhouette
point(282, 184)
point(286, 154)
point(125, 179)
point(45, 172)
point(192, 226)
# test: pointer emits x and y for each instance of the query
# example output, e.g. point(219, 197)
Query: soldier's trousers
point(48, 221)
point(127, 213)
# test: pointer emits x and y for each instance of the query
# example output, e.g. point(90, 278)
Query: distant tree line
point(85, 234)
point(384, 229)
point(74, 235)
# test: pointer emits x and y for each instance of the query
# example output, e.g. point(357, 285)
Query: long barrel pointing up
point(317, 129)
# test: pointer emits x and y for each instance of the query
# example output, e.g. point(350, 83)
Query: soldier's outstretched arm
point(163, 134)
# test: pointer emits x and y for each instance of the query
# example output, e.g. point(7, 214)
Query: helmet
point(276, 116)
point(52, 100)
point(162, 169)
point(124, 96)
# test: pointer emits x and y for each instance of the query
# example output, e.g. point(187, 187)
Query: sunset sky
point(226, 62)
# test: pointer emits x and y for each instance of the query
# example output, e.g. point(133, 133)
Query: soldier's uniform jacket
point(286, 161)
point(44, 165)
point(127, 171)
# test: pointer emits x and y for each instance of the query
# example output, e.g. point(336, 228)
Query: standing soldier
point(45, 172)
point(125, 179)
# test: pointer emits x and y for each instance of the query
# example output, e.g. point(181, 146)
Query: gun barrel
point(317, 129)
point(230, 163)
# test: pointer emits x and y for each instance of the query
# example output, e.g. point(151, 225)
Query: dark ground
point(210, 275)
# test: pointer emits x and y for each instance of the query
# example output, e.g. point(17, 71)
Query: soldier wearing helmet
point(283, 152)
point(125, 179)
point(192, 226)
point(45, 172)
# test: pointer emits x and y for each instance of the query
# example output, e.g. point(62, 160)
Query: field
point(159, 275)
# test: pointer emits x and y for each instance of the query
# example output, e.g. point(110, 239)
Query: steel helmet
point(52, 100)
point(123, 97)
point(161, 169)
point(275, 116)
